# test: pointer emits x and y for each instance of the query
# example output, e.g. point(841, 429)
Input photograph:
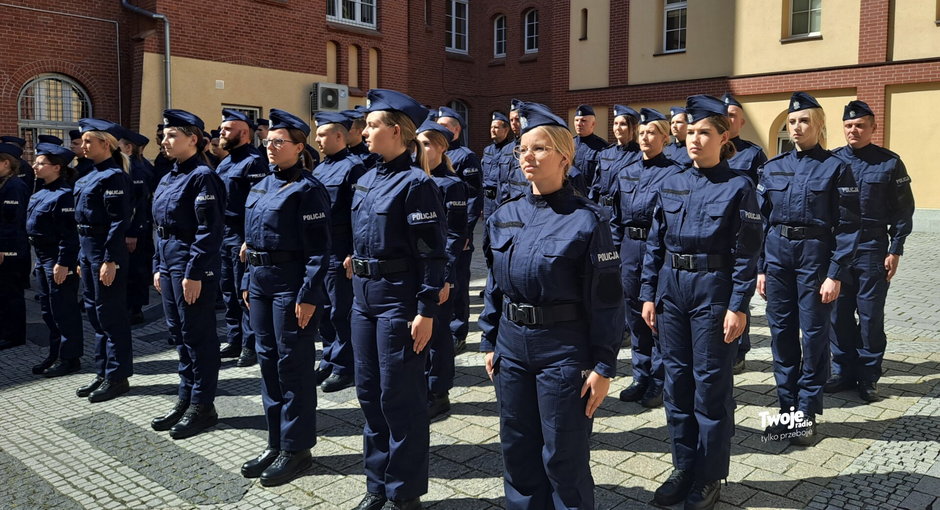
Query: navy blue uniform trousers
point(440, 369)
point(192, 328)
point(646, 357)
point(60, 312)
point(334, 328)
point(106, 309)
point(237, 318)
point(391, 386)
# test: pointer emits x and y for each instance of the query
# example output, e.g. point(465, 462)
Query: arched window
point(531, 31)
point(50, 104)
point(499, 36)
point(784, 144)
point(464, 111)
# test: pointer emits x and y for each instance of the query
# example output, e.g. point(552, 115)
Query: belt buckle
point(361, 267)
point(253, 258)
point(525, 314)
point(161, 232)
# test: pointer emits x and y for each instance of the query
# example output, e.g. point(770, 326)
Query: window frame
point(500, 38)
point(530, 26)
point(668, 7)
point(784, 144)
point(464, 110)
point(31, 128)
point(809, 21)
point(336, 6)
point(450, 33)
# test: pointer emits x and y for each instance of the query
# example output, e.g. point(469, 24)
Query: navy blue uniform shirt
point(339, 173)
point(51, 222)
point(748, 158)
point(14, 199)
point(635, 190)
point(467, 166)
point(103, 202)
point(454, 194)
point(609, 163)
point(240, 170)
point(586, 149)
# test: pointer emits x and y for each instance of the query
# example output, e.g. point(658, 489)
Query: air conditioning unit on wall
point(329, 97)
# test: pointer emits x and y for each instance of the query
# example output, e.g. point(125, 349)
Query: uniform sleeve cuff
point(426, 308)
point(605, 370)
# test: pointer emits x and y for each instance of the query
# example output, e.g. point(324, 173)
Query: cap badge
point(852, 113)
point(688, 118)
point(796, 105)
point(524, 122)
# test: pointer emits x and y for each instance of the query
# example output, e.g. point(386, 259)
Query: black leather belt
point(530, 315)
point(42, 242)
point(92, 230)
point(807, 232)
point(271, 258)
point(376, 268)
point(637, 233)
point(699, 261)
point(489, 192)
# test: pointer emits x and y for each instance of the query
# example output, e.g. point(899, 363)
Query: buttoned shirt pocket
point(818, 199)
point(874, 194)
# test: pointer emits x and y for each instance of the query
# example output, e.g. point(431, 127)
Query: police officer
point(25, 170)
point(887, 207)
point(354, 138)
point(240, 170)
point(748, 157)
point(287, 246)
point(215, 145)
point(634, 190)
point(467, 165)
point(587, 144)
point(102, 211)
point(82, 165)
point(188, 210)
point(51, 139)
point(698, 277)
point(161, 164)
point(398, 266)
point(551, 298)
point(511, 182)
point(809, 201)
point(613, 158)
point(139, 237)
point(434, 140)
point(494, 158)
point(262, 133)
point(677, 151)
point(52, 232)
point(338, 172)
point(14, 248)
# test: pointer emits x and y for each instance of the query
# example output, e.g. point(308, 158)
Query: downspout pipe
point(168, 97)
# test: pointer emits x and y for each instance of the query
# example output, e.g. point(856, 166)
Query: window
point(499, 36)
point(360, 13)
point(456, 33)
point(674, 23)
point(805, 16)
point(532, 31)
point(464, 111)
point(50, 104)
point(784, 144)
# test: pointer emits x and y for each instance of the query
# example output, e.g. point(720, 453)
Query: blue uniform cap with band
point(856, 109)
point(701, 106)
point(89, 124)
point(51, 149)
point(584, 110)
point(324, 118)
point(676, 110)
point(445, 111)
point(729, 100)
point(500, 116)
point(215, 133)
point(352, 115)
point(801, 101)
point(261, 121)
point(55, 140)
point(514, 105)
point(11, 149)
point(392, 100)
point(648, 115)
point(13, 139)
point(430, 125)
point(533, 115)
point(182, 118)
point(74, 134)
point(229, 115)
point(286, 120)
point(135, 138)
point(624, 110)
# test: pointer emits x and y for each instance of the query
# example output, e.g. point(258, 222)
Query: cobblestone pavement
point(58, 451)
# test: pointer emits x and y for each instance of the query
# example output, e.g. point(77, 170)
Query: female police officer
point(809, 201)
point(103, 211)
point(698, 277)
point(616, 156)
point(398, 266)
point(139, 237)
point(14, 248)
point(635, 190)
point(433, 140)
point(51, 228)
point(552, 310)
point(287, 247)
point(188, 209)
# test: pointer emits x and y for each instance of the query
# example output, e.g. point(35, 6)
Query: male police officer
point(677, 151)
point(586, 143)
point(887, 206)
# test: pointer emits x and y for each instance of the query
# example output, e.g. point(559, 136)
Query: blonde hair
point(817, 119)
point(119, 157)
point(439, 140)
point(408, 131)
point(662, 126)
point(561, 141)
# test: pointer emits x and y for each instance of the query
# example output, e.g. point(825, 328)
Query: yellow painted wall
point(194, 90)
point(914, 31)
point(904, 103)
point(708, 42)
point(588, 66)
point(760, 24)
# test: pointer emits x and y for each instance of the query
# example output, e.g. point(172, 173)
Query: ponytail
point(722, 125)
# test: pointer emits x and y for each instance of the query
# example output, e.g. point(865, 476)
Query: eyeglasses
point(538, 150)
point(277, 143)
